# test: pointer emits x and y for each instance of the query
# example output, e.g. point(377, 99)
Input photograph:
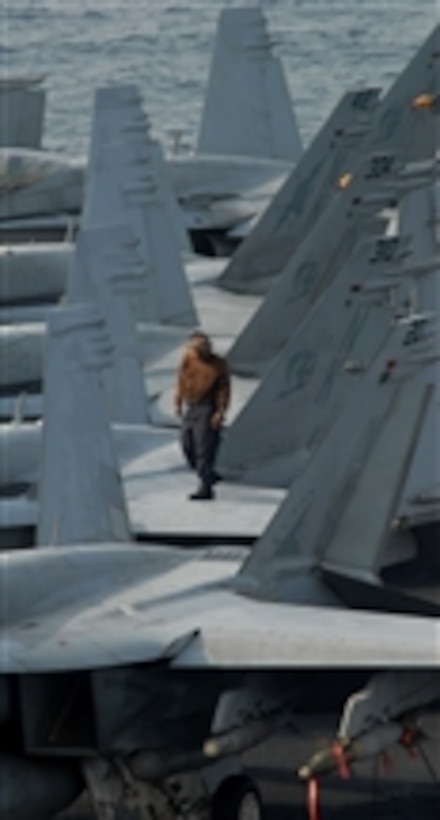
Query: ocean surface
point(165, 46)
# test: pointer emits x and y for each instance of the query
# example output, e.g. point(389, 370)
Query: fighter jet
point(36, 273)
point(403, 133)
point(151, 662)
point(339, 225)
point(336, 325)
point(108, 276)
point(167, 297)
point(248, 135)
point(126, 665)
point(307, 395)
point(312, 398)
point(277, 468)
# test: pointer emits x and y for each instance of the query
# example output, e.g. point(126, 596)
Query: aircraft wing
point(278, 636)
point(113, 605)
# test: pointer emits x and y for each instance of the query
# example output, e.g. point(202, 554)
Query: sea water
point(165, 47)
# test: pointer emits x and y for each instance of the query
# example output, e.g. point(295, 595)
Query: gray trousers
point(200, 441)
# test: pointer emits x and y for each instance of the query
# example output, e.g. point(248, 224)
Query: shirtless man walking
point(201, 399)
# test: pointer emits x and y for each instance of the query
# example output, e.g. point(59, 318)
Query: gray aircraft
point(37, 272)
point(302, 396)
point(106, 271)
point(122, 666)
point(349, 216)
point(167, 298)
point(247, 144)
point(403, 123)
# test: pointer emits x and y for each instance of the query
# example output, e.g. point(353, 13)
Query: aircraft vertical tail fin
point(302, 393)
point(124, 187)
point(304, 195)
point(336, 485)
point(106, 271)
point(248, 110)
point(22, 104)
point(420, 213)
point(117, 114)
point(404, 123)
point(407, 119)
point(81, 497)
point(118, 117)
point(359, 539)
point(349, 219)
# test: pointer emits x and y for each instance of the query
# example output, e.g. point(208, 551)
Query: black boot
point(203, 493)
